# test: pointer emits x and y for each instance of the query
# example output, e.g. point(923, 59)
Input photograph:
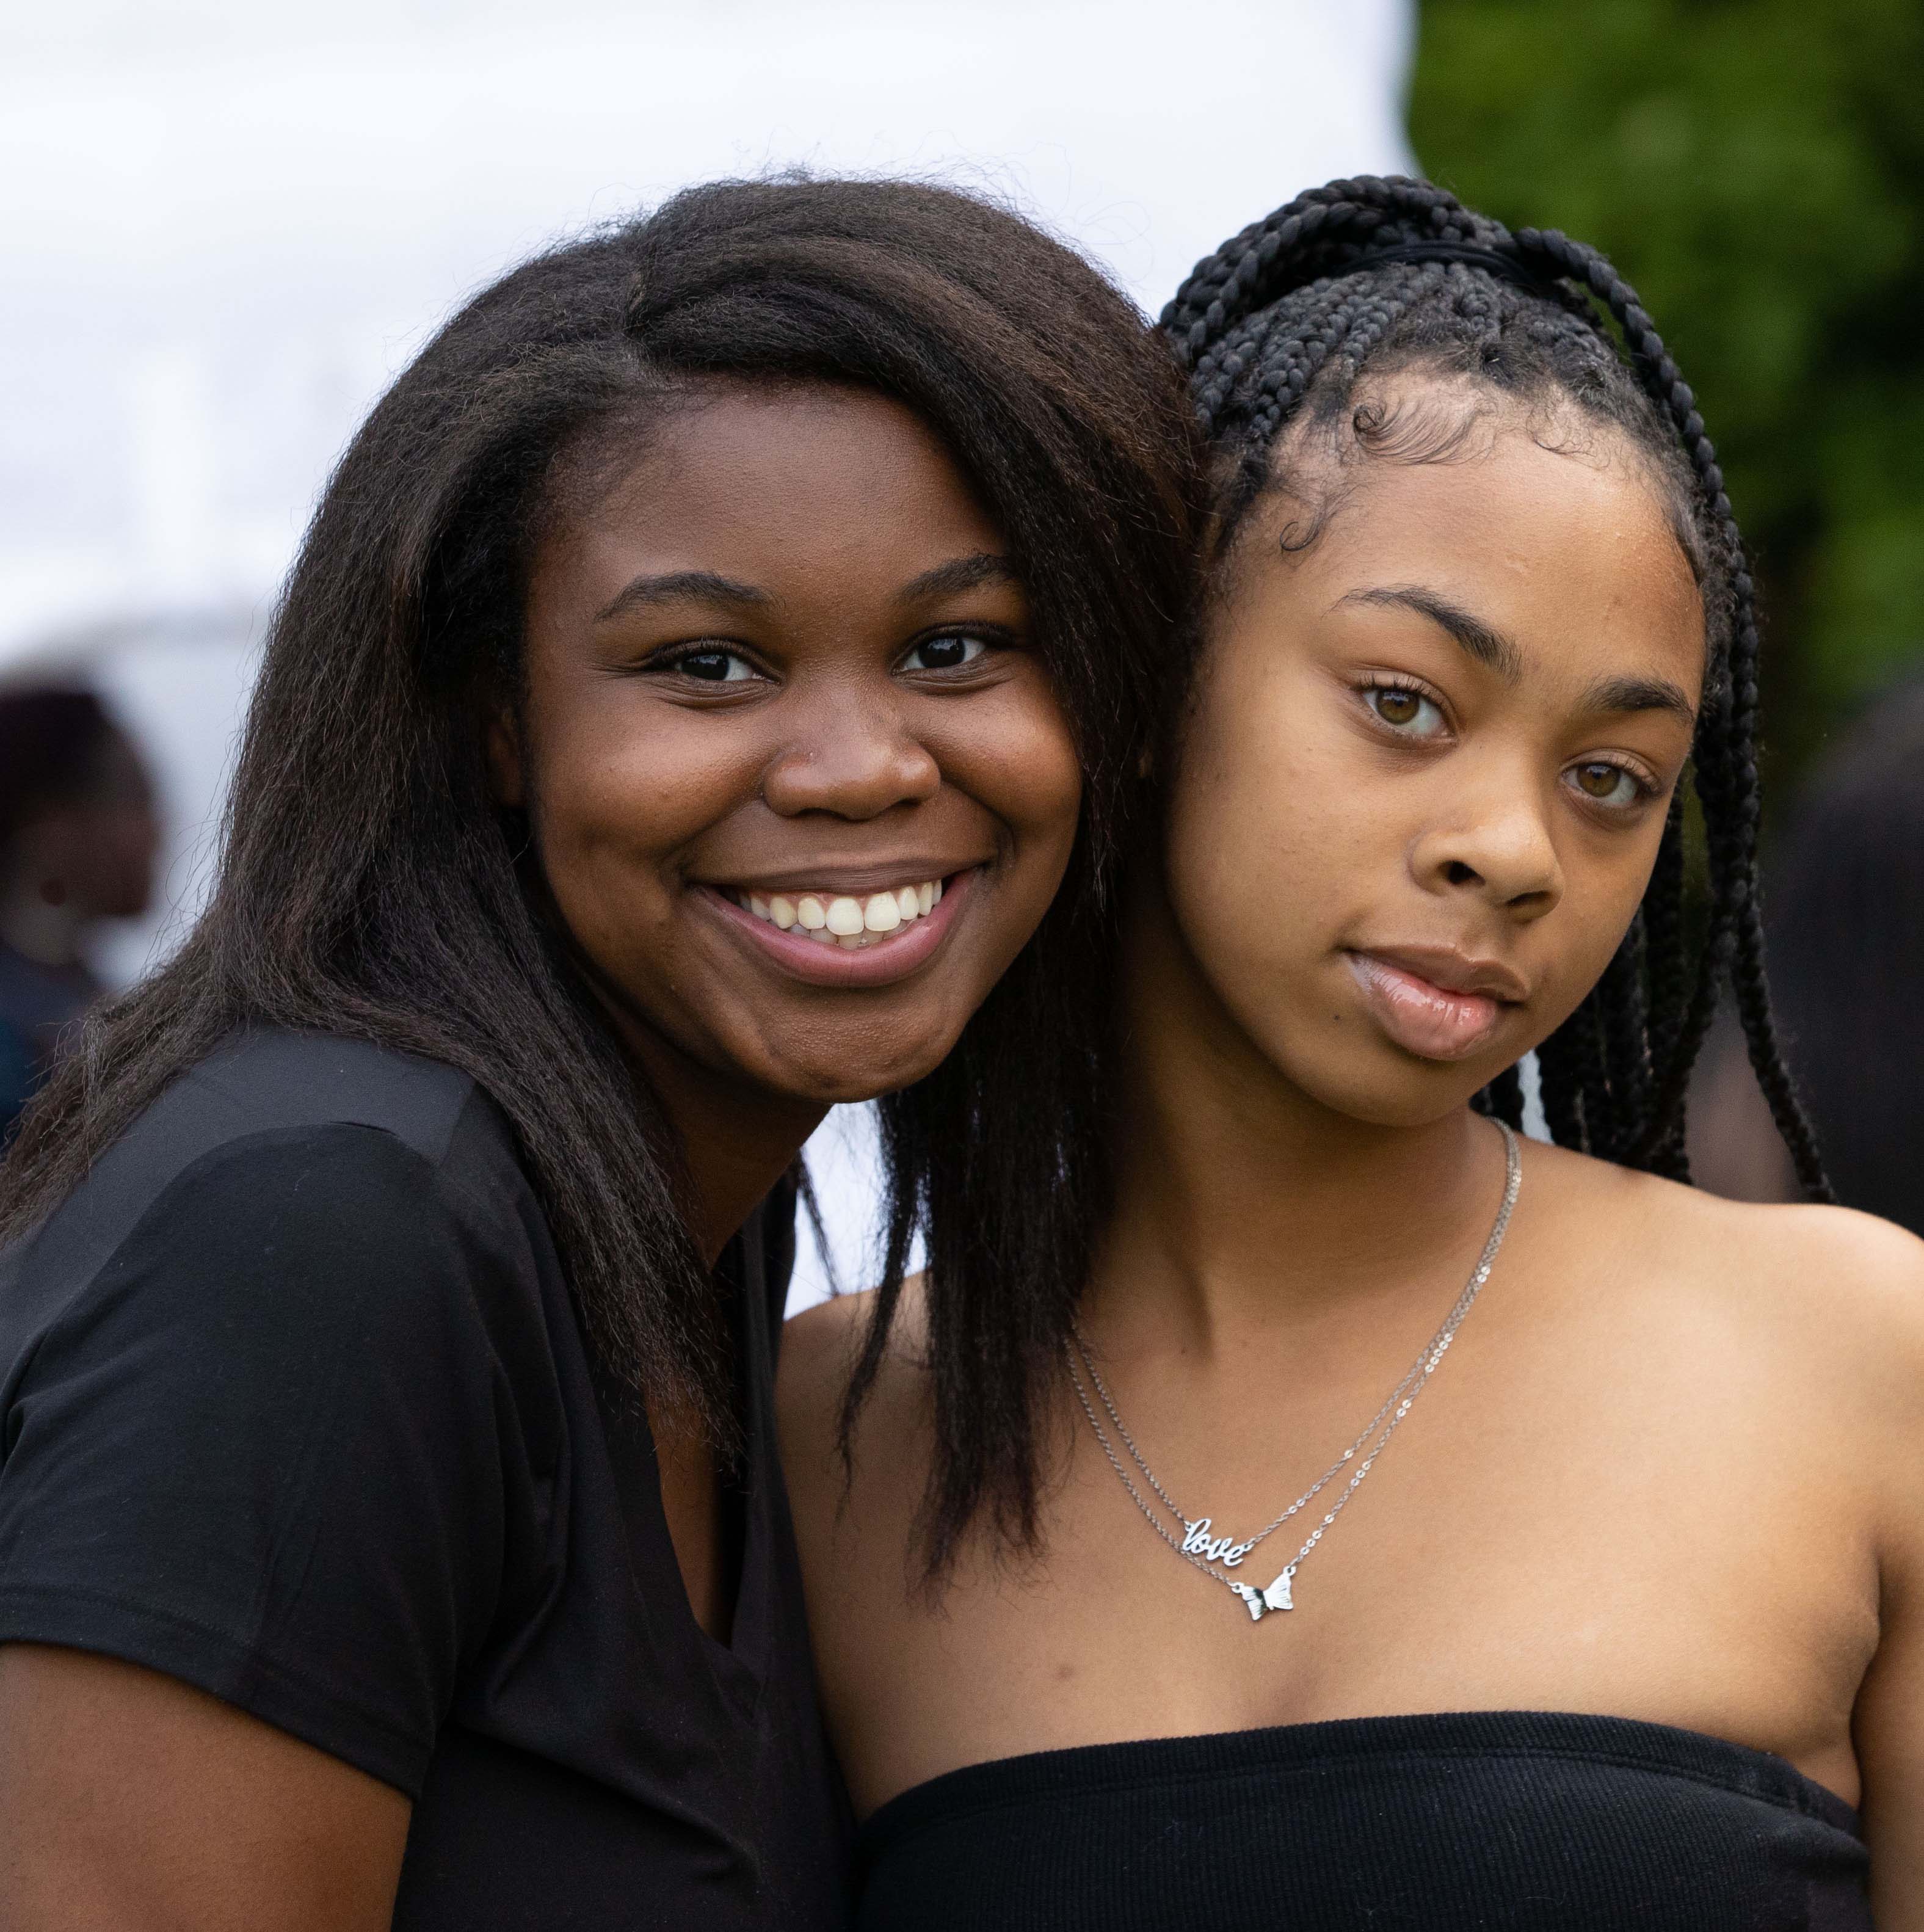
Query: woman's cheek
point(1020, 763)
point(1253, 821)
point(1586, 939)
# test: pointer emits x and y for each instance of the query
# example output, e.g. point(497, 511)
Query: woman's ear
point(506, 780)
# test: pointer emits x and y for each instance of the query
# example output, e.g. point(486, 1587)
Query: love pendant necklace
point(1196, 1545)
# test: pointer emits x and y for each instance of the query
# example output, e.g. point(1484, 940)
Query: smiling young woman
point(721, 658)
point(1401, 1522)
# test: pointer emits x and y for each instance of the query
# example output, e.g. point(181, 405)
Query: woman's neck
point(1242, 1200)
point(736, 1141)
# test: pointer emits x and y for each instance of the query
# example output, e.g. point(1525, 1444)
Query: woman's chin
point(1410, 1093)
point(827, 1077)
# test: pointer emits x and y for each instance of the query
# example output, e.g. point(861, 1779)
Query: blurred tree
point(1756, 167)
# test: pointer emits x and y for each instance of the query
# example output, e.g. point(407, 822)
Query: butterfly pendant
point(1262, 1602)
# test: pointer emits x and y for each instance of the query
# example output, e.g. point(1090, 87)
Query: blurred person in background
point(1845, 914)
point(78, 836)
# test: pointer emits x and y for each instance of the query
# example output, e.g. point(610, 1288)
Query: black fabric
point(296, 1409)
point(1506, 1821)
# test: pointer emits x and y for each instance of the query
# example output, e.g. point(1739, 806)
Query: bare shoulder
point(1852, 1284)
point(820, 1345)
point(820, 1348)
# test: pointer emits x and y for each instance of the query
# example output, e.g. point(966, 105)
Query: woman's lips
point(892, 957)
point(1422, 1017)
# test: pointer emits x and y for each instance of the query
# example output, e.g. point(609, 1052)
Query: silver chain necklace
point(1195, 1546)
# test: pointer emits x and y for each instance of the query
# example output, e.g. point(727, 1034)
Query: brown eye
point(950, 653)
point(714, 666)
point(1407, 711)
point(1608, 785)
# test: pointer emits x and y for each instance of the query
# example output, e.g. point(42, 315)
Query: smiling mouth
point(854, 921)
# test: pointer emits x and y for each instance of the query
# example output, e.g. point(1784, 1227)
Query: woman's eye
point(1408, 712)
point(1612, 785)
point(944, 653)
point(713, 666)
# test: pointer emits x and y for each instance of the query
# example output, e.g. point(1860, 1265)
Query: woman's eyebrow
point(961, 573)
point(672, 585)
point(1483, 642)
point(1640, 694)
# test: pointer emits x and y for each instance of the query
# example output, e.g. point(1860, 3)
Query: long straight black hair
point(368, 886)
point(1276, 329)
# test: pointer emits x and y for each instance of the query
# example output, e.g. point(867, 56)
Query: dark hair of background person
point(1277, 328)
point(51, 740)
point(369, 886)
point(1845, 914)
point(78, 836)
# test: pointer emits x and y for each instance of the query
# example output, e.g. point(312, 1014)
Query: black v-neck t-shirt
point(295, 1407)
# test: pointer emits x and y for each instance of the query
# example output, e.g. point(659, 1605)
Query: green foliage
point(1756, 167)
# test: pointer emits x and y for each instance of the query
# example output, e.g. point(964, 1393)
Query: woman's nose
point(1501, 852)
point(853, 756)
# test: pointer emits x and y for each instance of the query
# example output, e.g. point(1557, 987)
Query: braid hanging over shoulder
point(1275, 329)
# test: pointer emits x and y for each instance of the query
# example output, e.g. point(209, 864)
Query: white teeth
point(841, 919)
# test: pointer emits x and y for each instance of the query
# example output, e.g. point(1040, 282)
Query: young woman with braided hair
point(1627, 1621)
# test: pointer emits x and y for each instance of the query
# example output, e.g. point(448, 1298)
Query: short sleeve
point(265, 1450)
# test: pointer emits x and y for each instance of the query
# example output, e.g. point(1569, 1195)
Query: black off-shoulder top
point(1498, 1820)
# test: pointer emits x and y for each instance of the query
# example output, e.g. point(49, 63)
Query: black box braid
point(1275, 329)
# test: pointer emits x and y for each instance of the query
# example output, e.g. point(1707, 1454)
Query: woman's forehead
point(1543, 546)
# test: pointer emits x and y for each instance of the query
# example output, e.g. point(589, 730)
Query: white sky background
point(226, 225)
